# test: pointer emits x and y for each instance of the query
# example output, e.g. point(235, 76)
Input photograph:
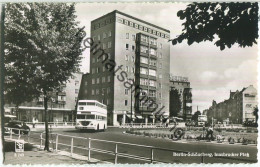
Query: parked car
point(18, 125)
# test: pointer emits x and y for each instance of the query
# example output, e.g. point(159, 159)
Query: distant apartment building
point(237, 109)
point(182, 85)
point(60, 107)
point(135, 53)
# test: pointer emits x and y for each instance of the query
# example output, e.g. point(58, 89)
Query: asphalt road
point(115, 134)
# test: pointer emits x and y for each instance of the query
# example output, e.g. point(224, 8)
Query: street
point(116, 134)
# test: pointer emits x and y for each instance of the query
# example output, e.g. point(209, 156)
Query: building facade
point(129, 67)
point(61, 106)
point(237, 109)
point(182, 85)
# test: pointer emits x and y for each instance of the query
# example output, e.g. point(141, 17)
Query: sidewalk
point(33, 155)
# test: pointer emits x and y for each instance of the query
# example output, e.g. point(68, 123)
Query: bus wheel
point(98, 127)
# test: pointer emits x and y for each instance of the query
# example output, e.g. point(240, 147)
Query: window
point(103, 91)
point(98, 70)
point(86, 83)
point(104, 35)
point(160, 55)
point(126, 102)
point(152, 41)
point(161, 45)
point(63, 98)
point(126, 46)
point(76, 99)
point(93, 81)
point(133, 48)
point(144, 38)
point(103, 79)
point(144, 49)
point(126, 91)
point(76, 83)
point(109, 56)
point(133, 70)
point(160, 76)
point(104, 46)
point(143, 81)
point(97, 91)
point(109, 33)
point(107, 101)
point(94, 38)
point(140, 27)
point(152, 83)
point(160, 65)
point(133, 58)
point(93, 92)
point(104, 68)
point(152, 93)
point(133, 37)
point(160, 85)
point(145, 28)
point(127, 35)
point(85, 91)
point(98, 37)
point(126, 68)
point(160, 95)
point(152, 51)
point(131, 24)
point(126, 22)
point(93, 60)
point(152, 62)
point(108, 79)
point(93, 70)
point(144, 93)
point(97, 80)
point(136, 26)
point(108, 90)
point(152, 72)
point(126, 58)
point(144, 71)
point(109, 45)
point(144, 60)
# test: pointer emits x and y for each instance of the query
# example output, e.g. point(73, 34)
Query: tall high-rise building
point(129, 68)
point(182, 86)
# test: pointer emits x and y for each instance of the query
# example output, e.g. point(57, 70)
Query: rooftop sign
point(178, 78)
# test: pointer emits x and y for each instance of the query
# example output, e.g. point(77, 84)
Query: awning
point(139, 116)
point(10, 116)
point(41, 108)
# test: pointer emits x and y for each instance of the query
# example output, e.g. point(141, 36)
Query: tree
point(42, 50)
point(175, 103)
point(195, 116)
point(229, 23)
point(255, 113)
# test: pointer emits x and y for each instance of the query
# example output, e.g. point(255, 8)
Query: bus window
point(91, 103)
point(90, 116)
point(82, 103)
point(80, 116)
point(81, 108)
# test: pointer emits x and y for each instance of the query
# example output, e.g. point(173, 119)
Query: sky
point(211, 72)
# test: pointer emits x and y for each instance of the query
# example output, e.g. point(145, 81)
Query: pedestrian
point(33, 121)
point(210, 132)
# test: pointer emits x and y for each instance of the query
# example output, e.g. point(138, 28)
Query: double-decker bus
point(92, 115)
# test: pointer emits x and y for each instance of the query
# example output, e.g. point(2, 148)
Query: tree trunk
point(45, 101)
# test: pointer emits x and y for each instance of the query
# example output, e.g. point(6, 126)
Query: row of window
point(127, 58)
point(152, 62)
point(127, 36)
point(142, 28)
point(127, 47)
point(147, 71)
point(104, 35)
point(102, 92)
point(103, 80)
point(98, 59)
